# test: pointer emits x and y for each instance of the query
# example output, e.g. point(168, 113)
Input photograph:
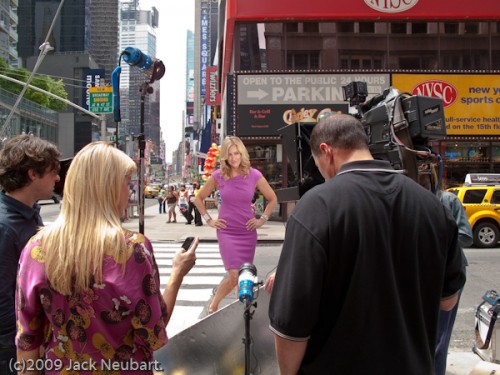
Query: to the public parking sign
point(101, 99)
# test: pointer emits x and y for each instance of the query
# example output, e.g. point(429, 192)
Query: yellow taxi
point(151, 190)
point(482, 206)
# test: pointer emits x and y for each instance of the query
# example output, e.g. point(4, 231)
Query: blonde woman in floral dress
point(88, 290)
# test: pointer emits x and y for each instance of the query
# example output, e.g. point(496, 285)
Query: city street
point(196, 292)
point(483, 274)
point(266, 90)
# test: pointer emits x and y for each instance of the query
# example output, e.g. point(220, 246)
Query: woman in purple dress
point(88, 291)
point(236, 224)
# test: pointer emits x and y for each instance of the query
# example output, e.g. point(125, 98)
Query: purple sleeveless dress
point(236, 243)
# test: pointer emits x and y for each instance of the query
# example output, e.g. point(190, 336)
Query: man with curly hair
point(29, 169)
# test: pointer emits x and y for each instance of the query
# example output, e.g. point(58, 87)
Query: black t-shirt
point(366, 259)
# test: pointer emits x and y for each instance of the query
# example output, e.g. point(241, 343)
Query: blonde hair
point(224, 151)
point(88, 226)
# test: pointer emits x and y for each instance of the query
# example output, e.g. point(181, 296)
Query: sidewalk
point(156, 229)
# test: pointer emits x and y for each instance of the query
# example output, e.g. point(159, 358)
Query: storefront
point(463, 155)
point(285, 62)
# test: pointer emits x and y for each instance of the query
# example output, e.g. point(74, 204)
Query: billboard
point(267, 102)
point(471, 101)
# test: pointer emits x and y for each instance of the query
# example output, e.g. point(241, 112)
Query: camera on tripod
point(400, 126)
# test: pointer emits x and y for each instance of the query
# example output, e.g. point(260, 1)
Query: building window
point(472, 28)
point(451, 28)
point(345, 27)
point(495, 60)
point(398, 28)
point(409, 63)
point(461, 61)
point(302, 60)
point(451, 62)
point(419, 28)
point(367, 27)
point(311, 27)
point(360, 62)
point(264, 158)
point(292, 27)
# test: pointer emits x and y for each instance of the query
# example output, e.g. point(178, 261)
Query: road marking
point(197, 286)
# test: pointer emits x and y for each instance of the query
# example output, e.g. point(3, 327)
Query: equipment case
point(487, 331)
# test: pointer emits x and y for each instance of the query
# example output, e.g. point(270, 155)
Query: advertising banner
point(267, 102)
point(259, 120)
point(204, 44)
point(91, 78)
point(212, 97)
point(471, 101)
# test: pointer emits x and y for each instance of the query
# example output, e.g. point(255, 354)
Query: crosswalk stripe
point(198, 255)
point(197, 270)
point(199, 262)
point(197, 286)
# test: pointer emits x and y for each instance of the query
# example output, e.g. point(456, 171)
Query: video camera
point(400, 128)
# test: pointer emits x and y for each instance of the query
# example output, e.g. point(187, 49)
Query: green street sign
point(101, 100)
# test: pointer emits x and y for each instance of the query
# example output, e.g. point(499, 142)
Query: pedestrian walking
point(184, 204)
point(171, 197)
point(161, 200)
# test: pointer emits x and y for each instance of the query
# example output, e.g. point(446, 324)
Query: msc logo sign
point(391, 6)
point(437, 89)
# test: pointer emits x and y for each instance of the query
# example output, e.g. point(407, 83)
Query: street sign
point(101, 99)
point(112, 138)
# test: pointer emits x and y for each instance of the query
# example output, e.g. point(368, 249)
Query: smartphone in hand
point(187, 243)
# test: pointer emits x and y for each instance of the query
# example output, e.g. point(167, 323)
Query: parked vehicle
point(482, 205)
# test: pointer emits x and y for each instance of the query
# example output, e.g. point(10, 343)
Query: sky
point(176, 17)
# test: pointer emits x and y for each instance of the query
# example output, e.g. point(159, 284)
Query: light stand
point(145, 90)
point(247, 294)
point(247, 340)
point(154, 70)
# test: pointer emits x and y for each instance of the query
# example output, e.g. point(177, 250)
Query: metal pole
point(247, 340)
point(145, 89)
point(142, 147)
point(44, 49)
point(103, 127)
point(66, 101)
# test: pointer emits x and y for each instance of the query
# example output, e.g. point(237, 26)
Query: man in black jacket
point(29, 169)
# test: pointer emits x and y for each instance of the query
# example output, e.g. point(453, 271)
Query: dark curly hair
point(22, 153)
